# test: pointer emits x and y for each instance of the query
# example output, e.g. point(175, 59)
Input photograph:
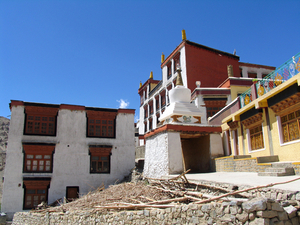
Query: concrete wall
point(71, 160)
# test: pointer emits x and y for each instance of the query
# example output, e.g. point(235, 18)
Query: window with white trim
point(290, 126)
point(256, 137)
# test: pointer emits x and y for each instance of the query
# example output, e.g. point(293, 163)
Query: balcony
point(283, 73)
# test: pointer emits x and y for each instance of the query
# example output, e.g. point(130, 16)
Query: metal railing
point(283, 73)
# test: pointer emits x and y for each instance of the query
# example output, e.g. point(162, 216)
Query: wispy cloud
point(123, 104)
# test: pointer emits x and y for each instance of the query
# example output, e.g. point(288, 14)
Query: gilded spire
point(162, 57)
point(183, 35)
point(151, 75)
point(179, 78)
point(230, 70)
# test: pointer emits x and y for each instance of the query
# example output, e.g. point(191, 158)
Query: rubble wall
point(256, 211)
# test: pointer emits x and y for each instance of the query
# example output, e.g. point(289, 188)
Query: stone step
point(274, 174)
point(287, 170)
point(281, 164)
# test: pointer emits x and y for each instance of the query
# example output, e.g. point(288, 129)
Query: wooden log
point(134, 206)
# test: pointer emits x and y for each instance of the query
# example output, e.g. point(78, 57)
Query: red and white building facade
point(197, 63)
point(57, 151)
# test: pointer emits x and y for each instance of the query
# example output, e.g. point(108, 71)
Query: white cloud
point(123, 104)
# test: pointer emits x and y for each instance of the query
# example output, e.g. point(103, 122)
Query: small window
point(290, 126)
point(256, 137)
point(157, 103)
point(36, 192)
point(145, 111)
point(163, 99)
point(169, 69)
point(100, 159)
point(101, 128)
point(41, 125)
point(151, 107)
point(72, 193)
point(38, 158)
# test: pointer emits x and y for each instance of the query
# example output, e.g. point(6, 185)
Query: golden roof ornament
point(183, 35)
point(162, 57)
point(140, 83)
point(230, 71)
point(179, 78)
point(151, 75)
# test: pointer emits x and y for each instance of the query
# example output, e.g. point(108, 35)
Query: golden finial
point(162, 57)
point(230, 71)
point(179, 78)
point(151, 75)
point(183, 35)
point(140, 83)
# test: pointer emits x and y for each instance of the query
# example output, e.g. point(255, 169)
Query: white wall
point(163, 155)
point(71, 160)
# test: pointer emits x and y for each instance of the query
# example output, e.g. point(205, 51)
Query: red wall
point(208, 67)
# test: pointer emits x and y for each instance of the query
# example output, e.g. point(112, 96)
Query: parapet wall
point(256, 211)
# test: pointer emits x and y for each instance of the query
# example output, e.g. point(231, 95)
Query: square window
point(100, 159)
point(40, 125)
point(36, 162)
point(35, 192)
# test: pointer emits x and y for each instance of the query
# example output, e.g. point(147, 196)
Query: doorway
point(72, 193)
point(196, 153)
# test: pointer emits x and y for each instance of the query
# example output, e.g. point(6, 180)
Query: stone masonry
point(258, 211)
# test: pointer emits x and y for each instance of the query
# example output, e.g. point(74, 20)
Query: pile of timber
point(153, 193)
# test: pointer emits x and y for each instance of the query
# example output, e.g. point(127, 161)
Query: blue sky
point(94, 53)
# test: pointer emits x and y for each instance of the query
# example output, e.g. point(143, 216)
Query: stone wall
point(259, 210)
point(245, 164)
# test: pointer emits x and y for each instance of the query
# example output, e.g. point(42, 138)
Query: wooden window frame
point(101, 124)
point(99, 152)
point(145, 111)
point(169, 70)
point(287, 120)
point(38, 158)
point(163, 99)
point(151, 109)
point(35, 192)
point(40, 121)
point(254, 133)
point(157, 103)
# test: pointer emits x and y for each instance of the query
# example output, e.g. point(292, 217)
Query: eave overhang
point(261, 102)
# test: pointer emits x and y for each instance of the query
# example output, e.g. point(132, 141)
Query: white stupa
point(181, 110)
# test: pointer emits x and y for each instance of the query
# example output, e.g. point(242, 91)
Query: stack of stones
point(256, 211)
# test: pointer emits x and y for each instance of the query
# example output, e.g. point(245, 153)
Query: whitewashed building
point(57, 151)
point(183, 139)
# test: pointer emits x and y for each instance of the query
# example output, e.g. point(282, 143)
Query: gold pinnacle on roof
point(151, 75)
point(183, 35)
point(140, 83)
point(179, 78)
point(230, 71)
point(162, 57)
